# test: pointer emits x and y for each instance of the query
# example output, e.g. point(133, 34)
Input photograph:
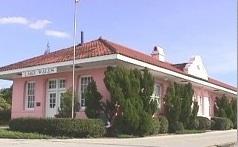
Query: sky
point(183, 28)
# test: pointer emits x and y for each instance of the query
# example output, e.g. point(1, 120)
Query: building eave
point(173, 73)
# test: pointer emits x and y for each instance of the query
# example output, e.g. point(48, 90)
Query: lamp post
point(75, 30)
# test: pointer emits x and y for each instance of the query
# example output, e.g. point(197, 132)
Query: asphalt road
point(189, 140)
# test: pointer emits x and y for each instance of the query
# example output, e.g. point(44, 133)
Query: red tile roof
point(90, 49)
point(180, 66)
point(101, 47)
point(219, 83)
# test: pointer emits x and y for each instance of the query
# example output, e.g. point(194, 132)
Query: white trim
point(169, 72)
point(66, 63)
point(125, 59)
point(26, 96)
point(79, 90)
point(57, 91)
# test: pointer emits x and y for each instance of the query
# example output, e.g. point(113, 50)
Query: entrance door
point(56, 89)
point(52, 104)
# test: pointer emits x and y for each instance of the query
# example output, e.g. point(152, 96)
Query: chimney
point(158, 53)
point(82, 37)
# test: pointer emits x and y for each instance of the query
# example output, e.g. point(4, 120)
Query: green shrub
point(178, 105)
point(226, 108)
point(176, 126)
point(212, 124)
point(155, 126)
point(221, 123)
point(179, 126)
point(146, 124)
point(4, 105)
point(59, 127)
point(235, 125)
point(204, 123)
point(5, 116)
point(93, 101)
point(65, 110)
point(164, 124)
point(194, 123)
point(131, 91)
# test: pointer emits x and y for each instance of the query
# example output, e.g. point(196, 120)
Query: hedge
point(155, 126)
point(204, 123)
point(59, 126)
point(221, 123)
point(164, 124)
point(5, 116)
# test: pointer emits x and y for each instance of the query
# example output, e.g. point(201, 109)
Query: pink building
point(38, 83)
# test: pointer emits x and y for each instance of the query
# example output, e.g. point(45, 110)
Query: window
point(156, 94)
point(61, 84)
point(198, 67)
point(52, 100)
point(56, 89)
point(61, 95)
point(30, 95)
point(200, 104)
point(52, 84)
point(210, 106)
point(83, 87)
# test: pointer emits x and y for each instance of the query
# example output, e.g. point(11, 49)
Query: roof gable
point(196, 68)
point(87, 50)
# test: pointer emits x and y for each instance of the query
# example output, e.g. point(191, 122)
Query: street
point(188, 140)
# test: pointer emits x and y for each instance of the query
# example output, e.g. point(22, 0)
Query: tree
point(186, 96)
point(130, 91)
point(226, 108)
point(234, 108)
point(6, 94)
point(93, 101)
point(178, 102)
point(147, 88)
point(65, 110)
point(193, 118)
point(4, 105)
point(222, 106)
point(172, 106)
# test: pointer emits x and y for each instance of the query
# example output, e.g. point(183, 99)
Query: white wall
point(195, 67)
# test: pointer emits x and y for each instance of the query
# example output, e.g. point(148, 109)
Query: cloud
point(39, 24)
point(33, 24)
point(58, 34)
point(14, 20)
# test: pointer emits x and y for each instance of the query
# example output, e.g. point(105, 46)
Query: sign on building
point(37, 72)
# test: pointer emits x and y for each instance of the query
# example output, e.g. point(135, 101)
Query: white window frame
point(80, 90)
point(210, 105)
point(156, 97)
point(56, 90)
point(27, 96)
point(203, 106)
point(200, 104)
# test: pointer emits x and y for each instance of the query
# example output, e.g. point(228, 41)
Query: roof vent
point(158, 53)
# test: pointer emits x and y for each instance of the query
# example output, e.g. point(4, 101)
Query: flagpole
point(75, 28)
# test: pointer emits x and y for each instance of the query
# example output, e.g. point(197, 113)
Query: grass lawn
point(6, 133)
point(190, 131)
